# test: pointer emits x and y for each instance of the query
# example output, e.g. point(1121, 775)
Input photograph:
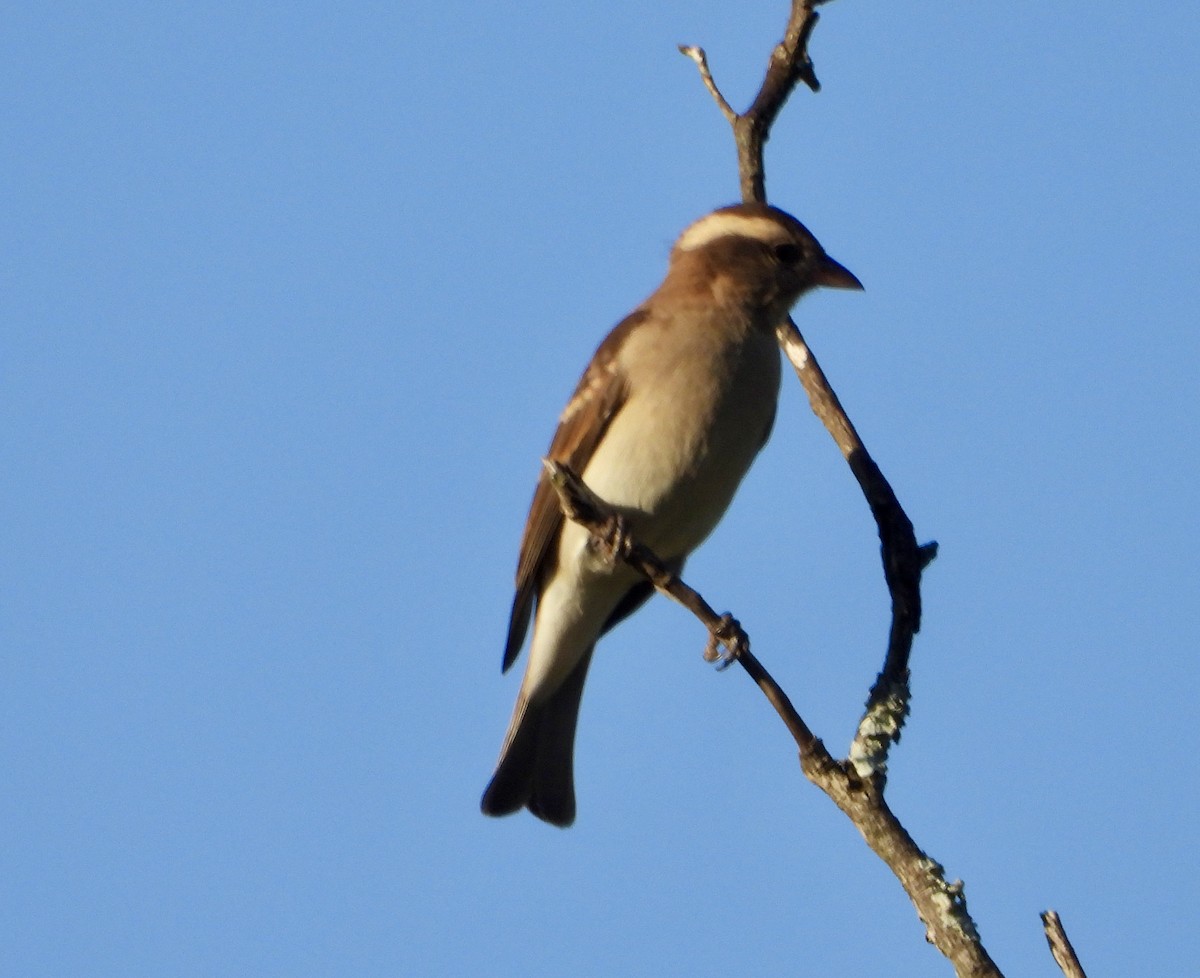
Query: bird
point(669, 415)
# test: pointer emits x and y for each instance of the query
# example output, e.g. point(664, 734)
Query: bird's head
point(755, 253)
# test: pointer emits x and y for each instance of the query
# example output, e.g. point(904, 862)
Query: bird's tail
point(536, 769)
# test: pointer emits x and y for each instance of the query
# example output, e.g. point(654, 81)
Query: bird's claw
point(614, 541)
point(726, 642)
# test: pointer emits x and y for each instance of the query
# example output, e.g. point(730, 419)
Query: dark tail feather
point(537, 767)
point(512, 783)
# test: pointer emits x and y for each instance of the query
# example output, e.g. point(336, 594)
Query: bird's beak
point(835, 276)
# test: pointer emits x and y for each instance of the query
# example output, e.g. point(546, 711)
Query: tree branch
point(857, 785)
point(580, 504)
point(1060, 947)
point(941, 905)
point(789, 64)
point(903, 559)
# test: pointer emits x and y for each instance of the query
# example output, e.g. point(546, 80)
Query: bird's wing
point(601, 393)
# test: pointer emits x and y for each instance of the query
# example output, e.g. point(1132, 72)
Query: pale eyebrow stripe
point(720, 225)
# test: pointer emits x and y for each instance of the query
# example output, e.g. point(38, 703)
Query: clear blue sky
point(292, 296)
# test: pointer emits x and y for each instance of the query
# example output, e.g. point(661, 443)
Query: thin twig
point(580, 504)
point(1060, 946)
point(789, 64)
point(903, 560)
point(701, 59)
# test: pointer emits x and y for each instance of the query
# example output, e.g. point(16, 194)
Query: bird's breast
point(700, 406)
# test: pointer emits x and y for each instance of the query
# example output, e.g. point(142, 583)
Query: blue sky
point(292, 297)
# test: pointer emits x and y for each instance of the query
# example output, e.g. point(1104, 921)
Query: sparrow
point(669, 414)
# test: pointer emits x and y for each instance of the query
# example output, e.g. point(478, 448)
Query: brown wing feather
point(596, 401)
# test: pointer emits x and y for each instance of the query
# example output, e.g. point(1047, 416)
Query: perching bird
point(673, 408)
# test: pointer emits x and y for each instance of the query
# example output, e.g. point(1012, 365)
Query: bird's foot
point(726, 642)
point(613, 541)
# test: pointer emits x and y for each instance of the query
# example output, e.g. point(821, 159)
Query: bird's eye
point(789, 254)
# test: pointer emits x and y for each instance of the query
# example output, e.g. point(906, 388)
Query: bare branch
point(1060, 947)
point(857, 786)
point(611, 537)
point(941, 905)
point(701, 59)
point(789, 65)
point(583, 506)
point(903, 559)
